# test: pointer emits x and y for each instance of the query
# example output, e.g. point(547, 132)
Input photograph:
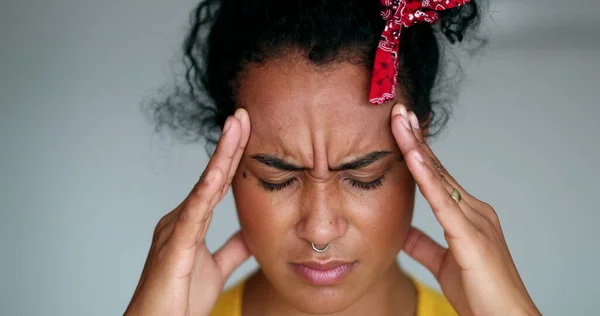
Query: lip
point(323, 273)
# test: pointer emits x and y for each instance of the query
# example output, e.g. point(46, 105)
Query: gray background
point(83, 178)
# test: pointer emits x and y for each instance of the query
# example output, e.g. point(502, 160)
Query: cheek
point(390, 213)
point(264, 226)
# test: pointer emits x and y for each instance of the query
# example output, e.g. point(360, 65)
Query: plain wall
point(83, 178)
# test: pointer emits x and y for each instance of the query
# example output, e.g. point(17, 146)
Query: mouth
point(322, 273)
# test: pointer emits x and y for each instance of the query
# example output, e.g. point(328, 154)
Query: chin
point(317, 301)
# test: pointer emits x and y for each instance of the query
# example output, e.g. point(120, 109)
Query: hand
point(181, 277)
point(476, 272)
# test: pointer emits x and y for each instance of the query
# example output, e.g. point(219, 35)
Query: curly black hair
point(228, 35)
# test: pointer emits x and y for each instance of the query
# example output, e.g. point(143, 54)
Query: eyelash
point(366, 185)
point(357, 184)
point(276, 186)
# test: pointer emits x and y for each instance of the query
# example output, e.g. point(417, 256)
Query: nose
point(322, 219)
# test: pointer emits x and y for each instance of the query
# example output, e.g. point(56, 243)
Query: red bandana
point(398, 14)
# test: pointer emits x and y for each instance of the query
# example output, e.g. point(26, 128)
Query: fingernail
point(405, 122)
point(238, 114)
point(227, 125)
point(418, 156)
point(414, 121)
point(397, 109)
point(403, 111)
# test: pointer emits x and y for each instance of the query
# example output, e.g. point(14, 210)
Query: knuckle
point(448, 203)
point(157, 234)
point(210, 176)
point(438, 257)
point(184, 216)
point(486, 232)
point(220, 259)
point(494, 218)
point(162, 251)
point(481, 240)
point(158, 230)
point(487, 207)
point(431, 176)
point(202, 184)
point(161, 235)
point(490, 213)
point(204, 192)
point(412, 241)
point(162, 222)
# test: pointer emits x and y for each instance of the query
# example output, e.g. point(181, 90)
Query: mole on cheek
point(245, 175)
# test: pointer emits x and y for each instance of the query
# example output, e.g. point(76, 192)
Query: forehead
point(304, 112)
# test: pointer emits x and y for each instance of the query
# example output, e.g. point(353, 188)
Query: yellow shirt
point(429, 302)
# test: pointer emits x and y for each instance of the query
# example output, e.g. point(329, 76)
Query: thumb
point(425, 250)
point(231, 255)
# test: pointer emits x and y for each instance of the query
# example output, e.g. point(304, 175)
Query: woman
point(324, 180)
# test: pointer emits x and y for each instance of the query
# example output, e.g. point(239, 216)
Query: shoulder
point(230, 302)
point(432, 302)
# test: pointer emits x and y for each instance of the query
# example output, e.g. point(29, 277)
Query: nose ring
point(319, 250)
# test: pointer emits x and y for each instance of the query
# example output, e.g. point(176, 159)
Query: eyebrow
point(358, 163)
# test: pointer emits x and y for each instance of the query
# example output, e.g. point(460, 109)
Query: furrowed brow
point(277, 163)
point(363, 161)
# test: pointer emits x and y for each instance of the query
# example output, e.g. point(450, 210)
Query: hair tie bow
point(398, 14)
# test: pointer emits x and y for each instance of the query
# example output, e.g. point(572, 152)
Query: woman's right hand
point(181, 276)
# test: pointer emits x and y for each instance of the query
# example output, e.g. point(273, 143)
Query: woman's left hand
point(476, 272)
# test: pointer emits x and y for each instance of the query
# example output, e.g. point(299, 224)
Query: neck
point(393, 294)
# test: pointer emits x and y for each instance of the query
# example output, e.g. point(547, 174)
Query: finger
point(433, 256)
point(475, 204)
point(399, 119)
point(425, 250)
point(416, 127)
point(465, 207)
point(416, 142)
point(231, 255)
point(411, 142)
point(165, 232)
point(167, 219)
point(226, 148)
point(418, 133)
point(192, 217)
point(207, 219)
point(242, 115)
point(447, 212)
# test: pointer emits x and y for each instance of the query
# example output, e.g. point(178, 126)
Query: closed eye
point(366, 185)
point(269, 186)
point(272, 187)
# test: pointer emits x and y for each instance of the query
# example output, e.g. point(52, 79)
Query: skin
point(319, 118)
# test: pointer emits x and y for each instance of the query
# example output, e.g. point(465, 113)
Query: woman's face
point(321, 166)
